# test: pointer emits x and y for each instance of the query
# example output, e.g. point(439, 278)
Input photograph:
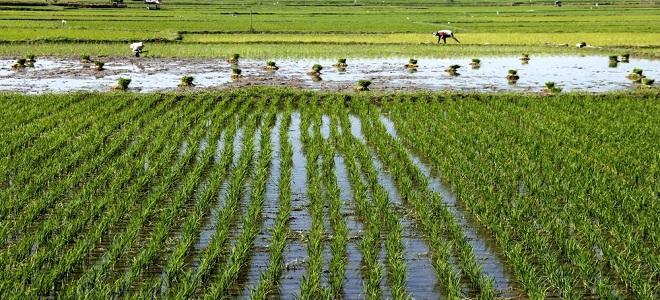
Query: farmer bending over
point(137, 48)
point(444, 34)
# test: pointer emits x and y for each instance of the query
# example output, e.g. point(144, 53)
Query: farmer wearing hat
point(444, 34)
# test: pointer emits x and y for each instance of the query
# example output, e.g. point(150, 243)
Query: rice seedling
point(412, 64)
point(271, 66)
point(99, 65)
point(551, 87)
point(512, 76)
point(32, 58)
point(236, 73)
point(525, 57)
point(476, 63)
point(453, 70)
point(614, 58)
point(625, 58)
point(362, 85)
point(341, 63)
point(122, 84)
point(233, 59)
point(85, 59)
point(19, 64)
point(636, 75)
point(187, 81)
point(648, 81)
point(315, 70)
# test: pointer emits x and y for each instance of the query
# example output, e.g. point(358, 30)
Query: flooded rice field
point(571, 73)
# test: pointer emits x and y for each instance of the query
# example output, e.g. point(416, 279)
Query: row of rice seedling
point(172, 209)
point(49, 250)
point(36, 148)
point(21, 245)
point(410, 179)
point(593, 252)
point(194, 278)
point(391, 227)
point(101, 267)
point(193, 223)
point(82, 157)
point(311, 285)
point(269, 278)
point(242, 250)
point(339, 243)
point(369, 244)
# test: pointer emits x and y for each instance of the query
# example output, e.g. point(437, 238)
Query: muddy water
point(571, 72)
point(483, 247)
point(295, 253)
point(421, 279)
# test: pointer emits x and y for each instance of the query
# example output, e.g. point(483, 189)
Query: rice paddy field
point(329, 150)
point(276, 193)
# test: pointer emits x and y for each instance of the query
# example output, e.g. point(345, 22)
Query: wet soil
point(585, 73)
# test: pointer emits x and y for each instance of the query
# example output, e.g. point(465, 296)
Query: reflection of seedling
point(271, 66)
point(20, 63)
point(99, 65)
point(625, 57)
point(614, 58)
point(453, 70)
point(236, 73)
point(316, 77)
point(85, 59)
point(613, 64)
point(316, 70)
point(341, 63)
point(512, 76)
point(648, 81)
point(122, 83)
point(187, 81)
point(412, 64)
point(234, 58)
point(363, 85)
point(636, 75)
point(476, 63)
point(525, 57)
point(550, 86)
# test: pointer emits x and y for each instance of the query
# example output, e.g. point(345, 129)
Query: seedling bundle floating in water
point(85, 59)
point(476, 63)
point(636, 75)
point(551, 87)
point(512, 76)
point(316, 70)
point(525, 58)
point(271, 66)
point(122, 84)
point(363, 85)
point(412, 64)
point(625, 57)
point(20, 63)
point(341, 63)
point(187, 81)
point(234, 58)
point(453, 70)
point(99, 65)
point(236, 73)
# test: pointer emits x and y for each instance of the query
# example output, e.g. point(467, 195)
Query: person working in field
point(444, 34)
point(137, 48)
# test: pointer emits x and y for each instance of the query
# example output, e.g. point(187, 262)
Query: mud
point(586, 73)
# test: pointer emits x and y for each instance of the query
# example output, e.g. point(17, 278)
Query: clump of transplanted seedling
point(271, 66)
point(512, 76)
point(31, 59)
point(341, 63)
point(362, 85)
point(122, 84)
point(85, 59)
point(316, 70)
point(525, 58)
point(412, 64)
point(551, 87)
point(234, 58)
point(476, 63)
point(636, 75)
point(614, 58)
point(625, 58)
point(20, 63)
point(99, 65)
point(648, 82)
point(187, 81)
point(453, 70)
point(236, 73)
